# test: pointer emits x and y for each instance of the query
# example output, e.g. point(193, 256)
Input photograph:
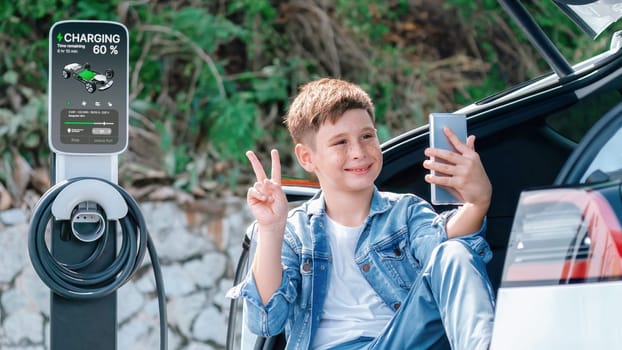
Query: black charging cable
point(68, 281)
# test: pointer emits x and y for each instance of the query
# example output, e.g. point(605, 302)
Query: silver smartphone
point(457, 123)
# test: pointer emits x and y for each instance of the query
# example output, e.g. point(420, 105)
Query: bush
point(216, 77)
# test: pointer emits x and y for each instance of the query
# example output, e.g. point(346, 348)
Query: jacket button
point(306, 267)
point(396, 306)
point(366, 268)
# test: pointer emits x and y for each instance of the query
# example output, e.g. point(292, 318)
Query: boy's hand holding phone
point(458, 170)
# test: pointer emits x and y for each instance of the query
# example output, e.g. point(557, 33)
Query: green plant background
point(216, 77)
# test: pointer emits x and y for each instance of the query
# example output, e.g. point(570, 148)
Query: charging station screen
point(88, 88)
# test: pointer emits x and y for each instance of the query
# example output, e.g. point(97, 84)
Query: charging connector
point(88, 222)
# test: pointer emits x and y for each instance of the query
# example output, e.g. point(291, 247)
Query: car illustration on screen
point(91, 79)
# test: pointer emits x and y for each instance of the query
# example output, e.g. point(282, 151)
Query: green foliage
point(234, 126)
point(205, 29)
point(362, 16)
point(23, 130)
point(212, 79)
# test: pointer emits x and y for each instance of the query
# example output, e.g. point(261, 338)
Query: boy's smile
point(359, 171)
point(346, 155)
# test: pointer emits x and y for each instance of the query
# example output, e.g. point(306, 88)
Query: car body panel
point(578, 317)
point(565, 236)
point(568, 303)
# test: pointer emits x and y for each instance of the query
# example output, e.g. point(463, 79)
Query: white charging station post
point(88, 129)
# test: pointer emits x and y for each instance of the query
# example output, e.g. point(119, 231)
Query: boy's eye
point(339, 142)
point(369, 137)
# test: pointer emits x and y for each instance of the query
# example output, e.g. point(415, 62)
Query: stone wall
point(198, 247)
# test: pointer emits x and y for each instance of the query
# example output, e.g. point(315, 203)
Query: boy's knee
point(455, 262)
point(453, 252)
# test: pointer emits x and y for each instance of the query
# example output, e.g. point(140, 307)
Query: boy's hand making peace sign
point(268, 204)
point(266, 198)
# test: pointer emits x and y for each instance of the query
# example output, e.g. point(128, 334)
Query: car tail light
point(562, 236)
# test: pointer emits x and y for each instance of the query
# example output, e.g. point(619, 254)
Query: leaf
point(204, 28)
point(273, 88)
point(140, 106)
point(32, 140)
point(5, 117)
point(10, 77)
point(235, 128)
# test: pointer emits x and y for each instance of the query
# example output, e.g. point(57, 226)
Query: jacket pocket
point(396, 262)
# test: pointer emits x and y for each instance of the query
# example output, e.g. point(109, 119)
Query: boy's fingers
point(439, 167)
point(447, 156)
point(454, 140)
point(276, 167)
point(260, 174)
point(471, 142)
point(439, 180)
point(253, 194)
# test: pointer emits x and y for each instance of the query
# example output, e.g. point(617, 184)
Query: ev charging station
point(85, 212)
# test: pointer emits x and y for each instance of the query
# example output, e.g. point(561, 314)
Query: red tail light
point(562, 236)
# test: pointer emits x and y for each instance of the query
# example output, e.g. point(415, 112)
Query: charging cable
point(67, 280)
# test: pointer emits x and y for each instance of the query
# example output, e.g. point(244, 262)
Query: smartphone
point(457, 123)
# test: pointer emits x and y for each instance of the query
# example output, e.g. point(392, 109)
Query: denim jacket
point(398, 237)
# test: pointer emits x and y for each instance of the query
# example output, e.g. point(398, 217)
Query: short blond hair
point(321, 100)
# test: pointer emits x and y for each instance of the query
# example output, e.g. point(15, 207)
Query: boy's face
point(346, 155)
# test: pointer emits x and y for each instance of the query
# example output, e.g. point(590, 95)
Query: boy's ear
point(303, 154)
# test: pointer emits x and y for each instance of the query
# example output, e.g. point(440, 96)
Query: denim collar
point(316, 206)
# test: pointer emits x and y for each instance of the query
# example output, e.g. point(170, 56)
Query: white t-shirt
point(352, 308)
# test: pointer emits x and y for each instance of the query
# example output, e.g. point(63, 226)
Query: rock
point(211, 325)
point(13, 242)
point(13, 217)
point(177, 281)
point(206, 272)
point(24, 326)
point(130, 300)
point(183, 311)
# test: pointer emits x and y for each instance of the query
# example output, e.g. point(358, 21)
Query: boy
point(355, 268)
